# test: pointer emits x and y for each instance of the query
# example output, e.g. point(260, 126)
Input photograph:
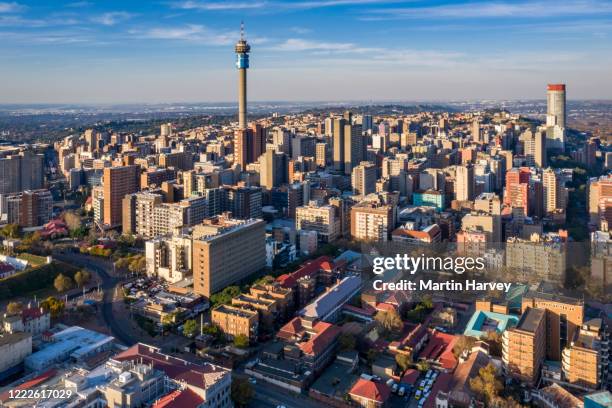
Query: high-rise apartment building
point(118, 182)
point(524, 346)
point(372, 221)
point(600, 200)
point(30, 208)
point(273, 169)
point(226, 251)
point(23, 171)
point(555, 105)
point(535, 148)
point(585, 360)
point(338, 128)
point(323, 219)
point(564, 316)
point(465, 183)
point(353, 147)
point(555, 194)
point(364, 178)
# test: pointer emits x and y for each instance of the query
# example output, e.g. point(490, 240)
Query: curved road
point(109, 283)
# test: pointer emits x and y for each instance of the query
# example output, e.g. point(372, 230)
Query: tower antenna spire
point(242, 30)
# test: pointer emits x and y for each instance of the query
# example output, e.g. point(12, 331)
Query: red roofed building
point(179, 399)
point(440, 349)
point(316, 343)
point(369, 394)
point(33, 320)
point(318, 271)
point(201, 384)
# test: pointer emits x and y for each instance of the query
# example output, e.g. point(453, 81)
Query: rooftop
point(531, 319)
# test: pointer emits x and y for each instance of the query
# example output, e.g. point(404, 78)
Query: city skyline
point(181, 51)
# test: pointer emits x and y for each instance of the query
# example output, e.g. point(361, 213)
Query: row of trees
point(63, 283)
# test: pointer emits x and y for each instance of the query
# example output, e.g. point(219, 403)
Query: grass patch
point(33, 260)
point(34, 280)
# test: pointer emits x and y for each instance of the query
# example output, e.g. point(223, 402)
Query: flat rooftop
point(531, 319)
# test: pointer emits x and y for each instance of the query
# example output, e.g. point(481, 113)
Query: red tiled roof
point(181, 370)
point(307, 269)
point(440, 348)
point(31, 383)
point(325, 334)
point(292, 329)
point(32, 313)
point(373, 391)
point(179, 399)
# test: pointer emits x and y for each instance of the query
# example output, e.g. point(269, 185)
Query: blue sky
point(181, 50)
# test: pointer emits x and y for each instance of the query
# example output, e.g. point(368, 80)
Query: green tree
point(138, 264)
point(62, 283)
point(82, 277)
point(241, 341)
point(10, 231)
point(53, 306)
point(487, 383)
point(423, 366)
point(347, 341)
point(403, 361)
point(190, 328)
point(14, 308)
point(462, 344)
point(494, 340)
point(389, 321)
point(242, 392)
point(225, 296)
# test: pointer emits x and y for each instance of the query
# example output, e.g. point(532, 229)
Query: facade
point(23, 171)
point(546, 260)
point(169, 258)
point(585, 361)
point(14, 348)
point(465, 183)
point(524, 346)
point(370, 221)
point(118, 182)
point(555, 105)
point(184, 383)
point(363, 178)
point(226, 251)
point(236, 321)
point(319, 218)
point(30, 208)
point(564, 316)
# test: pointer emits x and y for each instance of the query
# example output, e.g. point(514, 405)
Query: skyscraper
point(242, 49)
point(338, 143)
point(241, 136)
point(465, 182)
point(353, 146)
point(118, 182)
point(555, 101)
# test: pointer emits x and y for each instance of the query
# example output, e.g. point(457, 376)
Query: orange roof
point(373, 391)
point(179, 398)
point(325, 334)
point(307, 269)
point(31, 383)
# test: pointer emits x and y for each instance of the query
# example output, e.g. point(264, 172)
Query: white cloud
point(229, 5)
point(112, 18)
point(192, 33)
point(528, 9)
point(12, 7)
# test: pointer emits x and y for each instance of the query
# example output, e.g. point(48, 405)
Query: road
point(109, 283)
